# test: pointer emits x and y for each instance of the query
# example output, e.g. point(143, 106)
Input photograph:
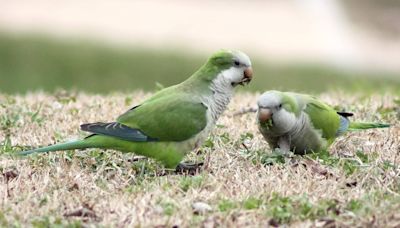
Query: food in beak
point(248, 75)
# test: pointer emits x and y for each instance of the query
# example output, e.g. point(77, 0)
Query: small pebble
point(201, 208)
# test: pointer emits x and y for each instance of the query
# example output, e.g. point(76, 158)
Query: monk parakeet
point(301, 123)
point(174, 120)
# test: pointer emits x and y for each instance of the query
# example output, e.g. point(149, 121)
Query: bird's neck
point(215, 91)
point(220, 96)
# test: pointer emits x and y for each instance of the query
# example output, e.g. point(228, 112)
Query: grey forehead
point(270, 98)
point(242, 57)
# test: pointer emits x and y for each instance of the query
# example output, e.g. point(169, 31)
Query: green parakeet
point(301, 123)
point(174, 120)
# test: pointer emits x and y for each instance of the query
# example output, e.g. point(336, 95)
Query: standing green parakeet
point(301, 123)
point(174, 120)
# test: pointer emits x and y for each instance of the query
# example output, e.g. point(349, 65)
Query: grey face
point(269, 104)
point(272, 115)
point(241, 68)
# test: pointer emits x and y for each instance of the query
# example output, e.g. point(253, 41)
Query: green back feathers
point(323, 117)
point(169, 118)
point(290, 103)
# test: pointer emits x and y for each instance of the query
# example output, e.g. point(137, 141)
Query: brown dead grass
point(109, 192)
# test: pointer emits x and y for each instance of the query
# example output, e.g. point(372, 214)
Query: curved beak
point(264, 114)
point(248, 75)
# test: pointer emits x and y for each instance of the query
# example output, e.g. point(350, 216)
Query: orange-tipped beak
point(248, 73)
point(264, 114)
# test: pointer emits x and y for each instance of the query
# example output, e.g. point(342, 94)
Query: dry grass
point(99, 188)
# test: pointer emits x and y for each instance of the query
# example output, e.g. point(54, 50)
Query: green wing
point(174, 117)
point(323, 117)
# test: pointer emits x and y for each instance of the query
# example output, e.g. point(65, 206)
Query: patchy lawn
point(356, 183)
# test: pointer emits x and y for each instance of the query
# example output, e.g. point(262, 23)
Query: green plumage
point(172, 122)
point(302, 123)
point(78, 144)
point(170, 154)
point(174, 117)
point(323, 117)
point(355, 126)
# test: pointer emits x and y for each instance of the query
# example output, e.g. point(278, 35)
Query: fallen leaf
point(84, 212)
point(9, 175)
point(273, 223)
point(316, 168)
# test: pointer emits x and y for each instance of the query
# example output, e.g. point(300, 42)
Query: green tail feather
point(79, 144)
point(354, 126)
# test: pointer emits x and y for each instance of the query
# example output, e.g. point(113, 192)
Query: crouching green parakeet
point(301, 123)
point(174, 120)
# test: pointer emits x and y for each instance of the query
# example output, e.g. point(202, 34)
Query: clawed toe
point(189, 168)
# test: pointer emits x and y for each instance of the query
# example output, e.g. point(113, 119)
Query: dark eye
point(237, 63)
point(280, 106)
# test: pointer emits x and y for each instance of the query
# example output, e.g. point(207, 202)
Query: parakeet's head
point(276, 112)
point(231, 67)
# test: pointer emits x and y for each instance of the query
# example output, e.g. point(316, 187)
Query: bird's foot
point(189, 168)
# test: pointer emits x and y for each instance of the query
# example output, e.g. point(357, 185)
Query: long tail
point(78, 144)
point(355, 126)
